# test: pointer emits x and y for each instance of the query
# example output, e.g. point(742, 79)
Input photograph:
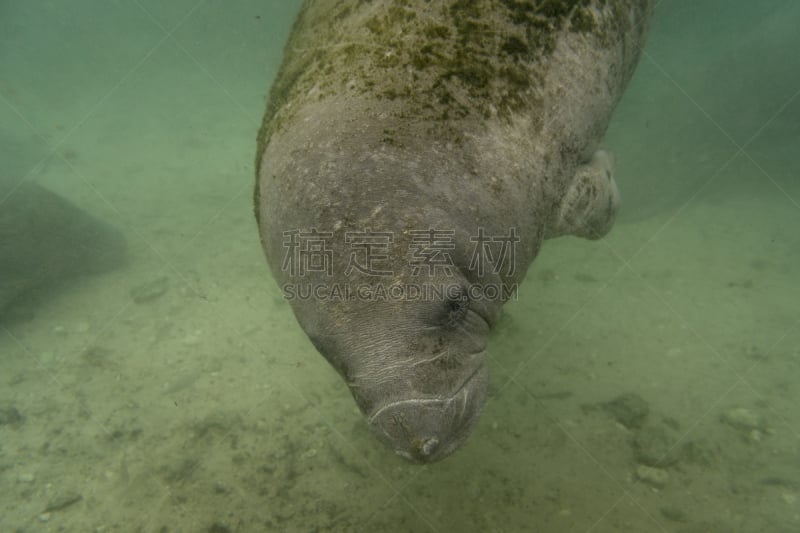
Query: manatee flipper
point(45, 240)
point(590, 205)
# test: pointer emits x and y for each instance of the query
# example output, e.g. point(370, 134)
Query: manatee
point(412, 159)
point(46, 241)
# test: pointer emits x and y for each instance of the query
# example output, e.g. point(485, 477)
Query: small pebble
point(312, 452)
point(150, 291)
point(25, 477)
point(193, 339)
point(44, 517)
point(63, 501)
point(629, 409)
point(674, 352)
point(674, 514)
point(653, 445)
point(655, 477)
point(743, 419)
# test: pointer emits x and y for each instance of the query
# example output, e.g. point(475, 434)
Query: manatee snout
point(416, 368)
point(427, 429)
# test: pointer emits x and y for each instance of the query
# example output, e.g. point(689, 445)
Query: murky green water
point(153, 379)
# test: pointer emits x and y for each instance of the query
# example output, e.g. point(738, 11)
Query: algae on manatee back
point(442, 60)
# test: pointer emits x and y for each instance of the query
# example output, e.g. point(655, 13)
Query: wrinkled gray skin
point(452, 115)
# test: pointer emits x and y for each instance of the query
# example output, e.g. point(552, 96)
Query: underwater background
point(152, 378)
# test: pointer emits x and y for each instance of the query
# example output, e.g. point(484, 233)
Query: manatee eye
point(456, 307)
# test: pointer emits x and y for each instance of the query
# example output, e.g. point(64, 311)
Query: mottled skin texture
point(400, 115)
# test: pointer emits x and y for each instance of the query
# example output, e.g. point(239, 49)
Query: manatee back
point(441, 60)
point(503, 99)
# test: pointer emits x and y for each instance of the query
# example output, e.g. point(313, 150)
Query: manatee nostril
point(428, 429)
point(426, 446)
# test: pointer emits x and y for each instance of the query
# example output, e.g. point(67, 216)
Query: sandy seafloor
point(203, 406)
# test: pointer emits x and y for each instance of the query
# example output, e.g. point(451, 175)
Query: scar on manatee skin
point(400, 421)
